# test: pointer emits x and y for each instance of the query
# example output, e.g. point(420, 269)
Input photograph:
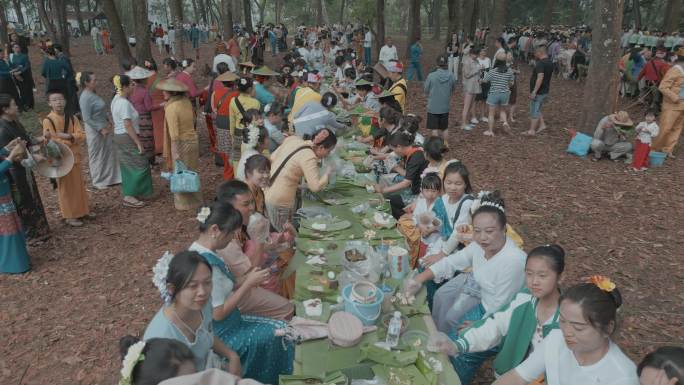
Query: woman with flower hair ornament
point(263, 354)
point(255, 141)
point(185, 284)
point(581, 351)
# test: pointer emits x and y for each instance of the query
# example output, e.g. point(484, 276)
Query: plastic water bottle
point(393, 330)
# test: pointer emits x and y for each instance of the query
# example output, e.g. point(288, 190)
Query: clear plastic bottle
point(393, 330)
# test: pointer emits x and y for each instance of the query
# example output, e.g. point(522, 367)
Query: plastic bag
point(441, 343)
point(258, 228)
point(580, 144)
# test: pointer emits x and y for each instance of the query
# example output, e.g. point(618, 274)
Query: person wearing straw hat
point(71, 190)
point(136, 176)
point(307, 92)
point(181, 142)
point(220, 106)
point(246, 67)
point(142, 102)
point(608, 137)
point(315, 114)
point(365, 96)
point(672, 111)
point(262, 78)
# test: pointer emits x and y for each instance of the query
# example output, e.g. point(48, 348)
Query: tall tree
point(227, 18)
point(437, 19)
point(261, 7)
point(176, 7)
point(19, 11)
point(636, 13)
point(46, 20)
point(498, 22)
point(601, 88)
point(380, 25)
point(469, 17)
point(414, 25)
point(121, 49)
point(672, 16)
point(4, 38)
point(79, 16)
point(143, 51)
point(278, 11)
point(574, 10)
point(343, 4)
point(59, 12)
point(453, 25)
point(319, 11)
point(247, 8)
point(548, 13)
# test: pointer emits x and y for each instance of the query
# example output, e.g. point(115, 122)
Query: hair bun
point(126, 342)
point(617, 297)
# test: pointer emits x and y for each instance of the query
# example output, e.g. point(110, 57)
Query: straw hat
point(227, 77)
point(247, 64)
point(264, 71)
point(621, 118)
point(363, 82)
point(172, 85)
point(59, 160)
point(680, 52)
point(138, 73)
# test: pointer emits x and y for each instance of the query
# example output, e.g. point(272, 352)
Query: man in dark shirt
point(540, 82)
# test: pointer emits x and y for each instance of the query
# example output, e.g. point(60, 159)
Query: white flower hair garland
point(133, 356)
point(253, 136)
point(203, 214)
point(161, 272)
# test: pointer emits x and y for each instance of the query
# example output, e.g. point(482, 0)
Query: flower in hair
point(493, 204)
point(253, 135)
point(160, 273)
point(243, 81)
point(203, 214)
point(603, 283)
point(133, 356)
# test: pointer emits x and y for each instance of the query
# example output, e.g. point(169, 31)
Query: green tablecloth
point(319, 357)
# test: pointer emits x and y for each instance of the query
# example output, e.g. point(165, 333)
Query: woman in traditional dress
point(24, 188)
point(220, 103)
point(142, 102)
point(60, 127)
point(56, 72)
point(185, 284)
point(23, 77)
point(263, 354)
point(157, 97)
point(136, 177)
point(7, 85)
point(180, 138)
point(14, 257)
point(238, 106)
point(255, 142)
point(106, 42)
point(102, 162)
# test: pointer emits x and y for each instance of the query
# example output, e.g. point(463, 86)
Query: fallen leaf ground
point(89, 286)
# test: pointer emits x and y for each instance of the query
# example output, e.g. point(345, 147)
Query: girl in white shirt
point(423, 216)
point(581, 352)
point(497, 270)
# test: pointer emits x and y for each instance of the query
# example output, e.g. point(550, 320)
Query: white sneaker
point(474, 121)
point(485, 120)
point(468, 127)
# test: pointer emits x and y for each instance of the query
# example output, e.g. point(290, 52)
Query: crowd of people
point(225, 304)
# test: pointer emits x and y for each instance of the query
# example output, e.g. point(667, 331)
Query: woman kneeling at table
point(263, 355)
point(520, 327)
point(581, 352)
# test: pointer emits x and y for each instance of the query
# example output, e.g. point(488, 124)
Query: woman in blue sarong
point(14, 257)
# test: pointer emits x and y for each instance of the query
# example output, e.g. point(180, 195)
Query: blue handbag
point(184, 180)
point(580, 144)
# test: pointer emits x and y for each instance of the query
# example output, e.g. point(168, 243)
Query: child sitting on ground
point(424, 218)
point(646, 131)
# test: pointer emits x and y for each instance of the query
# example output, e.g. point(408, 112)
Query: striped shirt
point(499, 81)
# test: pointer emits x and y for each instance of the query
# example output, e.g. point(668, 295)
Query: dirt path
point(60, 323)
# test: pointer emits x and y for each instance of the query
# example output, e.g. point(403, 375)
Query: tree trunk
point(195, 11)
point(176, 7)
point(380, 26)
point(121, 49)
point(18, 10)
point(437, 13)
point(343, 4)
point(278, 11)
point(45, 20)
point(414, 25)
point(498, 22)
point(261, 6)
point(59, 11)
point(79, 17)
point(319, 11)
point(453, 8)
point(636, 13)
point(204, 8)
point(470, 17)
point(548, 14)
point(247, 8)
point(673, 16)
point(601, 87)
point(4, 37)
point(574, 8)
point(227, 18)
point(143, 51)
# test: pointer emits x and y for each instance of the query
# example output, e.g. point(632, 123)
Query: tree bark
point(4, 37)
point(453, 8)
point(45, 20)
point(319, 11)
point(673, 16)
point(380, 25)
point(18, 10)
point(247, 8)
point(59, 11)
point(470, 17)
point(143, 51)
point(278, 11)
point(227, 18)
point(79, 16)
point(636, 13)
point(121, 49)
point(548, 13)
point(601, 87)
point(343, 4)
point(437, 13)
point(574, 10)
point(498, 22)
point(176, 7)
point(414, 25)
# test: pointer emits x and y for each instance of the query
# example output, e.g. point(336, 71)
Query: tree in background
point(548, 13)
point(601, 88)
point(247, 8)
point(413, 24)
point(143, 50)
point(498, 22)
point(176, 7)
point(454, 8)
point(227, 18)
point(380, 25)
point(18, 11)
point(673, 16)
point(59, 13)
point(118, 37)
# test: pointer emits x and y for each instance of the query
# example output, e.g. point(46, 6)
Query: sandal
point(133, 204)
point(529, 133)
point(541, 129)
point(488, 133)
point(74, 222)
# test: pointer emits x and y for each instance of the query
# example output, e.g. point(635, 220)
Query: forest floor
point(60, 323)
